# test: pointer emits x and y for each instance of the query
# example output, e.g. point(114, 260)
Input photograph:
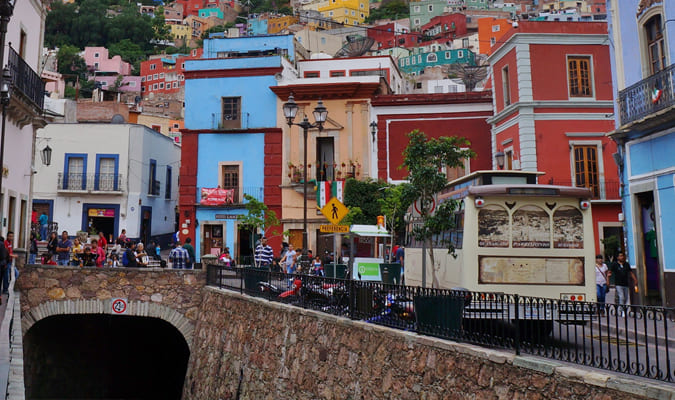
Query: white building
point(23, 116)
point(383, 66)
point(109, 177)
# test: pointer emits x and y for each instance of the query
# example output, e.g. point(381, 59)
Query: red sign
point(119, 306)
point(217, 197)
point(101, 212)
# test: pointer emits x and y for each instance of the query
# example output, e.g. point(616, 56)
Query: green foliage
point(394, 203)
point(130, 52)
point(426, 159)
point(393, 10)
point(612, 246)
point(217, 29)
point(364, 195)
point(69, 92)
point(162, 31)
point(258, 216)
point(70, 63)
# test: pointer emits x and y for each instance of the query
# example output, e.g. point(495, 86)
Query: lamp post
point(499, 159)
point(320, 114)
point(4, 99)
point(373, 130)
point(46, 155)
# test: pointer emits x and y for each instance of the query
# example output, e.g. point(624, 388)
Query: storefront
point(100, 218)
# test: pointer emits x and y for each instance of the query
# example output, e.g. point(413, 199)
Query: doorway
point(146, 224)
point(101, 218)
point(245, 246)
point(212, 242)
point(325, 159)
point(647, 256)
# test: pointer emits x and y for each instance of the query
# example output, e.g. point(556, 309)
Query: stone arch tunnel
point(98, 356)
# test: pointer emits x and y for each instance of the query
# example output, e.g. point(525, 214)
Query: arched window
point(431, 58)
point(655, 47)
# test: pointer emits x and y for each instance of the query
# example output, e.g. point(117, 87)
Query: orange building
point(490, 30)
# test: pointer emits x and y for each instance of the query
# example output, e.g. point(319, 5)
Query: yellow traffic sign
point(334, 210)
point(334, 228)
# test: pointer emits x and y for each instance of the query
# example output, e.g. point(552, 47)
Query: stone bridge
point(170, 295)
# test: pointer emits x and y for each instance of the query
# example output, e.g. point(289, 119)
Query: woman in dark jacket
point(51, 243)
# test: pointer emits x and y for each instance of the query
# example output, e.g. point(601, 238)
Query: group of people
point(624, 278)
point(99, 253)
point(290, 260)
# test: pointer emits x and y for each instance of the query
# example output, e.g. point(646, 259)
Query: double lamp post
point(320, 115)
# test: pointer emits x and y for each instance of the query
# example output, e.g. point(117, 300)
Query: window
point(431, 58)
point(506, 87)
point(106, 178)
point(353, 12)
point(152, 67)
point(142, 79)
point(154, 86)
point(161, 85)
point(656, 54)
point(96, 65)
point(586, 168)
point(75, 172)
point(579, 74)
point(311, 74)
point(22, 44)
point(323, 40)
point(153, 183)
point(417, 21)
point(161, 75)
point(96, 55)
point(132, 83)
point(149, 78)
point(175, 84)
point(231, 112)
point(167, 192)
point(418, 85)
point(229, 179)
point(154, 76)
point(157, 128)
point(334, 74)
point(416, 9)
point(460, 54)
point(465, 43)
point(448, 55)
point(495, 28)
point(431, 7)
point(492, 41)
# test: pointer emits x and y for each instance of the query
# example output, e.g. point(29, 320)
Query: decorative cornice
point(506, 112)
point(644, 5)
point(329, 91)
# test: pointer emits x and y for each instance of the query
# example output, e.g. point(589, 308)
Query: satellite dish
point(117, 119)
point(356, 46)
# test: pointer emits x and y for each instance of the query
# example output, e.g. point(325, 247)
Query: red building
point(553, 106)
point(440, 29)
point(439, 114)
point(163, 74)
point(191, 7)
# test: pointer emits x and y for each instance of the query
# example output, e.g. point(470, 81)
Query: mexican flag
point(325, 190)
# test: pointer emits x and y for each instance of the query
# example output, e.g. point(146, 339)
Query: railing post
point(517, 319)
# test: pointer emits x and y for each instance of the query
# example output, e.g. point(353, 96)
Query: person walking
point(623, 278)
point(263, 254)
point(288, 262)
point(601, 280)
point(9, 245)
point(191, 252)
point(179, 257)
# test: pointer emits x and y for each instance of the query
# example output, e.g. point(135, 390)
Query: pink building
point(128, 84)
point(97, 58)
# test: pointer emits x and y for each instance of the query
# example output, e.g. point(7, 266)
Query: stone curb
point(589, 376)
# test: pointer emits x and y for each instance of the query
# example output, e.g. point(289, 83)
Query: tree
point(425, 160)
point(364, 195)
point(259, 217)
point(393, 10)
point(130, 52)
point(393, 205)
point(71, 64)
point(162, 30)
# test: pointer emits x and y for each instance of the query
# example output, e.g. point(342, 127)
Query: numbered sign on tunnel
point(119, 306)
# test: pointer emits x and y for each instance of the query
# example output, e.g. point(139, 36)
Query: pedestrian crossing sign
point(334, 210)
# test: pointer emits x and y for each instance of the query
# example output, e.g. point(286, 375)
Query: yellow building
point(279, 23)
point(561, 5)
point(181, 31)
point(350, 12)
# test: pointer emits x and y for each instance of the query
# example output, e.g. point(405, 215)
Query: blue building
point(644, 76)
point(231, 139)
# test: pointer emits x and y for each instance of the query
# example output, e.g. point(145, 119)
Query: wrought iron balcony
point(648, 96)
point(610, 190)
point(95, 183)
point(26, 81)
point(221, 121)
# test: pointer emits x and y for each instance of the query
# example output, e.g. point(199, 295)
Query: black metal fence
point(634, 340)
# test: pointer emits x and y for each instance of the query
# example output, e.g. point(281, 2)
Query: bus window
point(568, 228)
point(531, 227)
point(493, 227)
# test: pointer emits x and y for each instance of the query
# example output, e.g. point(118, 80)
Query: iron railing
point(609, 190)
point(227, 122)
point(635, 340)
point(647, 96)
point(26, 80)
point(90, 182)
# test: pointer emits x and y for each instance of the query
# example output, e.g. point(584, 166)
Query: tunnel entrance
point(96, 356)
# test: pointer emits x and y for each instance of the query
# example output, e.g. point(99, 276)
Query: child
point(317, 267)
point(47, 259)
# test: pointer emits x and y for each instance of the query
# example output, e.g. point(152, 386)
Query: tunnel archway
point(101, 356)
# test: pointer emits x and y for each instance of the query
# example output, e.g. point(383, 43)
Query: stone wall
point(172, 295)
point(290, 353)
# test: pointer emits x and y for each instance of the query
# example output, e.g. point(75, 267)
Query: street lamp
point(499, 159)
point(46, 155)
point(4, 100)
point(320, 115)
point(373, 130)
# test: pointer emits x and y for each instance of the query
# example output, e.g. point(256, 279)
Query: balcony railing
point(90, 182)
point(230, 195)
point(328, 172)
point(648, 96)
point(610, 190)
point(26, 80)
point(220, 122)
